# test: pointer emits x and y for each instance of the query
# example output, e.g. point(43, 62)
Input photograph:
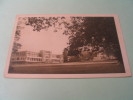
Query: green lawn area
point(68, 68)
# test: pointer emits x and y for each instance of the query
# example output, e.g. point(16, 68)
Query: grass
point(67, 68)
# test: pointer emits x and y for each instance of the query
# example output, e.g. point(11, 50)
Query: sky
point(43, 40)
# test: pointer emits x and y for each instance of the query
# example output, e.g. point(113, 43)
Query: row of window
point(34, 59)
point(24, 58)
point(26, 53)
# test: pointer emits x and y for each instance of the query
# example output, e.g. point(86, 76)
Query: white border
point(105, 75)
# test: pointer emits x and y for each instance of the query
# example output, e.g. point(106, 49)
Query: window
point(17, 58)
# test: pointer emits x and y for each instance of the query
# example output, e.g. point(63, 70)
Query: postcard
point(67, 46)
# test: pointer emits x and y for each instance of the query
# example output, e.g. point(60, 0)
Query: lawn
point(68, 68)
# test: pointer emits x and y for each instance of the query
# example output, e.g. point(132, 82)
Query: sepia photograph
point(67, 46)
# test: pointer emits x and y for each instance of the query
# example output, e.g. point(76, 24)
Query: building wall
point(42, 56)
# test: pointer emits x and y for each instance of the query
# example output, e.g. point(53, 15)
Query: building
point(36, 57)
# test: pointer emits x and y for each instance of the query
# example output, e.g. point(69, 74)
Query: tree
point(98, 31)
point(65, 55)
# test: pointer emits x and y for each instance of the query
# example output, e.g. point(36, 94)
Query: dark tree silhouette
point(65, 54)
point(97, 31)
point(16, 44)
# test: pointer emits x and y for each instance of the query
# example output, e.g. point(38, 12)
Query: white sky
point(43, 40)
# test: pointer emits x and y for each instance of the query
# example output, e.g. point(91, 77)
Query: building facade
point(36, 57)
